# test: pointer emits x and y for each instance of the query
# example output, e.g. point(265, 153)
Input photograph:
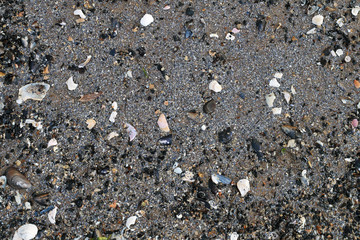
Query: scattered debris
point(112, 135)
point(35, 124)
point(52, 215)
point(244, 186)
point(90, 97)
point(209, 106)
point(276, 111)
point(131, 221)
point(34, 91)
point(113, 116)
point(256, 147)
point(274, 83)
point(82, 65)
point(3, 181)
point(357, 84)
point(225, 136)
point(318, 20)
point(287, 96)
point(213, 35)
point(217, 178)
point(188, 177)
point(79, 12)
point(230, 37)
point(278, 75)
point(166, 140)
point(52, 142)
point(355, 10)
point(304, 179)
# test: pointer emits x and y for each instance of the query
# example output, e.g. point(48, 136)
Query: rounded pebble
point(146, 20)
point(318, 20)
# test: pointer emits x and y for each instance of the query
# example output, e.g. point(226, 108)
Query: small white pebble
point(274, 83)
point(146, 20)
point(291, 143)
point(213, 35)
point(129, 74)
point(311, 31)
point(114, 106)
point(347, 59)
point(278, 75)
point(276, 111)
point(230, 37)
point(215, 86)
point(339, 52)
point(203, 127)
point(82, 65)
point(318, 20)
point(79, 12)
point(177, 170)
point(234, 236)
point(113, 116)
point(52, 142)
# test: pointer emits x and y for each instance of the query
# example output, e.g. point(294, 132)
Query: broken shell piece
point(287, 96)
point(146, 20)
point(291, 131)
point(215, 86)
point(112, 135)
point(270, 98)
point(114, 106)
point(70, 84)
point(131, 221)
point(276, 111)
point(52, 142)
point(113, 116)
point(52, 215)
point(35, 124)
point(318, 20)
point(188, 177)
point(26, 232)
point(34, 91)
point(278, 75)
point(217, 178)
point(274, 83)
point(355, 10)
point(79, 12)
point(90, 97)
point(235, 30)
point(15, 179)
point(291, 143)
point(131, 131)
point(3, 181)
point(82, 65)
point(90, 123)
point(230, 37)
point(163, 125)
point(41, 198)
point(213, 35)
point(244, 186)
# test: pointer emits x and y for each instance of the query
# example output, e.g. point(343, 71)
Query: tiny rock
point(278, 75)
point(274, 83)
point(163, 125)
point(318, 20)
point(225, 136)
point(90, 123)
point(215, 86)
point(244, 186)
point(146, 20)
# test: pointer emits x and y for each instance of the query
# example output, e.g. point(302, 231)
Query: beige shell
point(163, 125)
point(16, 180)
point(34, 91)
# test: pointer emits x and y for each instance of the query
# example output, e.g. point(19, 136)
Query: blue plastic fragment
point(223, 179)
point(188, 33)
point(46, 210)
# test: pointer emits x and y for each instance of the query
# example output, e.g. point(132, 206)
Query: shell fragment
point(215, 86)
point(34, 91)
point(26, 232)
point(163, 125)
point(244, 186)
point(70, 84)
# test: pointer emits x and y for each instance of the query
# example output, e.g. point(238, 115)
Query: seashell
point(146, 20)
point(163, 125)
point(131, 131)
point(15, 179)
point(215, 86)
point(52, 215)
point(217, 178)
point(3, 181)
point(26, 232)
point(34, 91)
point(42, 198)
point(274, 83)
point(131, 221)
point(79, 12)
point(318, 20)
point(70, 84)
point(167, 140)
point(291, 131)
point(82, 65)
point(209, 106)
point(270, 98)
point(244, 186)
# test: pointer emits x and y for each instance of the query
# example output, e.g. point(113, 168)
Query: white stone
point(79, 12)
point(340, 22)
point(347, 59)
point(276, 111)
point(244, 186)
point(131, 131)
point(203, 127)
point(278, 75)
point(146, 20)
point(230, 37)
point(355, 10)
point(234, 236)
point(214, 35)
point(52, 142)
point(113, 116)
point(318, 20)
point(333, 53)
point(52, 215)
point(311, 31)
point(28, 205)
point(114, 106)
point(215, 86)
point(131, 221)
point(215, 178)
point(339, 52)
point(270, 98)
point(112, 135)
point(90, 123)
point(177, 170)
point(274, 83)
point(291, 143)
point(287, 96)
point(70, 84)
point(26, 232)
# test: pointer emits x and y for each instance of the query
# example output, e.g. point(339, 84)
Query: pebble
point(270, 98)
point(146, 20)
point(34, 91)
point(177, 170)
point(114, 106)
point(113, 116)
point(225, 136)
point(52, 142)
point(28, 206)
point(70, 84)
point(131, 131)
point(209, 106)
point(347, 59)
point(274, 83)
point(234, 236)
point(90, 123)
point(244, 186)
point(278, 75)
point(354, 123)
point(256, 147)
point(339, 52)
point(318, 20)
point(203, 127)
point(166, 140)
point(26, 232)
point(355, 10)
point(35, 124)
point(235, 30)
point(188, 177)
point(79, 12)
point(163, 125)
point(276, 111)
point(215, 86)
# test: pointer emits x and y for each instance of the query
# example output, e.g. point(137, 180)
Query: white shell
point(291, 143)
point(230, 37)
point(163, 125)
point(82, 65)
point(52, 215)
point(34, 91)
point(215, 86)
point(131, 131)
point(318, 20)
point(131, 221)
point(355, 10)
point(112, 135)
point(90, 123)
point(278, 75)
point(287, 96)
point(70, 84)
point(274, 83)
point(114, 106)
point(276, 111)
point(213, 35)
point(79, 12)
point(52, 142)
point(244, 186)
point(339, 52)
point(311, 31)
point(146, 20)
point(270, 98)
point(113, 116)
point(26, 232)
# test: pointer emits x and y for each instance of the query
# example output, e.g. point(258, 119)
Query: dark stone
point(189, 11)
point(209, 106)
point(167, 140)
point(225, 136)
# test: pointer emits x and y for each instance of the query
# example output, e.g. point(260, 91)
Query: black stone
point(225, 136)
point(209, 106)
point(189, 11)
